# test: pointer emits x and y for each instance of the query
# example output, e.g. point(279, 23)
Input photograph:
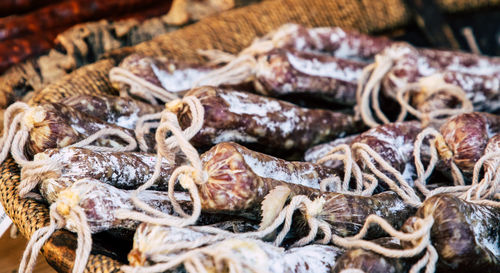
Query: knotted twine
point(478, 192)
point(421, 235)
point(370, 83)
point(237, 69)
point(188, 175)
point(140, 87)
point(224, 255)
point(18, 123)
point(243, 67)
point(427, 86)
point(64, 210)
point(366, 183)
point(191, 175)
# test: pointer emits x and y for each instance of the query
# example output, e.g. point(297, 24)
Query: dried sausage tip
point(401, 68)
point(89, 206)
point(30, 130)
point(125, 170)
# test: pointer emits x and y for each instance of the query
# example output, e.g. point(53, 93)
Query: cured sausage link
point(248, 118)
point(151, 240)
point(464, 234)
point(121, 111)
point(124, 170)
point(239, 179)
point(281, 72)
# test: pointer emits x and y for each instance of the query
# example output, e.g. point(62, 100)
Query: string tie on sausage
point(350, 167)
point(274, 39)
point(140, 87)
point(487, 187)
point(33, 172)
point(20, 119)
point(143, 126)
point(189, 175)
point(420, 237)
point(64, 212)
point(438, 148)
point(425, 87)
point(371, 81)
point(239, 68)
point(156, 243)
point(311, 210)
point(365, 183)
point(243, 67)
point(369, 85)
point(479, 190)
point(398, 183)
point(15, 132)
point(218, 257)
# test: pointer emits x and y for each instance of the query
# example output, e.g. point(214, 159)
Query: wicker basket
point(230, 31)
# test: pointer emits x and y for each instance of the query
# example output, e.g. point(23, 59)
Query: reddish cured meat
point(56, 125)
point(121, 111)
point(465, 235)
point(394, 142)
point(124, 170)
point(347, 213)
point(325, 62)
point(482, 90)
point(476, 75)
point(244, 117)
point(53, 125)
point(239, 179)
point(282, 72)
point(341, 43)
point(100, 202)
point(173, 76)
point(465, 138)
point(411, 63)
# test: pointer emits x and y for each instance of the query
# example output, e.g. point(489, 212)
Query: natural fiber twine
point(29, 215)
point(78, 46)
point(230, 31)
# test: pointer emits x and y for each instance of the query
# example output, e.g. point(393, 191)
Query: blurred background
point(55, 37)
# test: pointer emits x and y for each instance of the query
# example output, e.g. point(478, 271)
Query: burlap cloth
point(80, 45)
point(230, 31)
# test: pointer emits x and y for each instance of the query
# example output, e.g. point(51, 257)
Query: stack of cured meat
point(312, 150)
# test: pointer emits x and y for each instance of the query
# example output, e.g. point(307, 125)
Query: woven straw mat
point(230, 31)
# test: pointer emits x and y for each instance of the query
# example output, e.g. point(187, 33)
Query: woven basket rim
point(30, 215)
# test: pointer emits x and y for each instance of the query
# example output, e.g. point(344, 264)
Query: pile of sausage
point(272, 160)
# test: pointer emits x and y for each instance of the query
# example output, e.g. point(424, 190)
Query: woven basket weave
point(230, 31)
point(80, 45)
